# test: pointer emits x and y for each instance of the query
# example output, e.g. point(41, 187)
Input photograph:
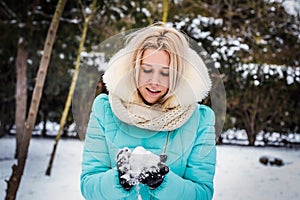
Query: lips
point(153, 91)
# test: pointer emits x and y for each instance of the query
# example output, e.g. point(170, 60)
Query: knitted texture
point(151, 117)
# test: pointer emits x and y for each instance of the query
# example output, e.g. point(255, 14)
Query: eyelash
point(148, 71)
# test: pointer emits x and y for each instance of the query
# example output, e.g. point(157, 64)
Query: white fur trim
point(119, 75)
point(194, 85)
point(195, 82)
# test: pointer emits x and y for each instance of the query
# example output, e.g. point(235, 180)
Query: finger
point(124, 151)
point(164, 170)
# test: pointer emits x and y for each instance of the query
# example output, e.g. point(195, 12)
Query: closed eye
point(165, 73)
point(147, 69)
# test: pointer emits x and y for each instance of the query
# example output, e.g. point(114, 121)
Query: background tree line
point(254, 44)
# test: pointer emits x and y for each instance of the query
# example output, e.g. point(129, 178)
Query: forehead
point(155, 57)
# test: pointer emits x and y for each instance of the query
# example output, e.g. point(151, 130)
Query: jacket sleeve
point(197, 181)
point(98, 180)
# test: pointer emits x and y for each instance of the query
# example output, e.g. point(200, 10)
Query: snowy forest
point(254, 46)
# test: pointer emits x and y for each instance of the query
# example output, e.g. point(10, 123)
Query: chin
point(150, 102)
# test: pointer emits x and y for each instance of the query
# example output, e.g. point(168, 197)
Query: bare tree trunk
point(249, 121)
point(165, 10)
point(250, 117)
point(21, 93)
point(72, 87)
point(251, 134)
point(17, 170)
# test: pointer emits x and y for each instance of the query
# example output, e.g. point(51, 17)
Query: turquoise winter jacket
point(191, 156)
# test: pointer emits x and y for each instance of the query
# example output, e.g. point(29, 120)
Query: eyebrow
point(150, 65)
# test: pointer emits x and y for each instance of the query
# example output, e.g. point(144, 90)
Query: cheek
point(142, 79)
point(165, 82)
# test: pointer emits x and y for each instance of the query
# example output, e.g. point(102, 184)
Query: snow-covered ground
point(239, 175)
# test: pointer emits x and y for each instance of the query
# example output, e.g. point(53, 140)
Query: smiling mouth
point(153, 91)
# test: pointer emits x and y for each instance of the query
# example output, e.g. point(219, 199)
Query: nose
point(154, 78)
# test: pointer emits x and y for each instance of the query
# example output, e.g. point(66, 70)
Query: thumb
point(164, 169)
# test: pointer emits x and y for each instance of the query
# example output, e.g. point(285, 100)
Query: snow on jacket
point(191, 155)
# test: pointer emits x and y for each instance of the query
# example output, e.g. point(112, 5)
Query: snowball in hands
point(140, 161)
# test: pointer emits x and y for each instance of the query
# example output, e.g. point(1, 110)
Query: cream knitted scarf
point(153, 117)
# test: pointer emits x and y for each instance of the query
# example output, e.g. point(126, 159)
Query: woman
point(154, 85)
